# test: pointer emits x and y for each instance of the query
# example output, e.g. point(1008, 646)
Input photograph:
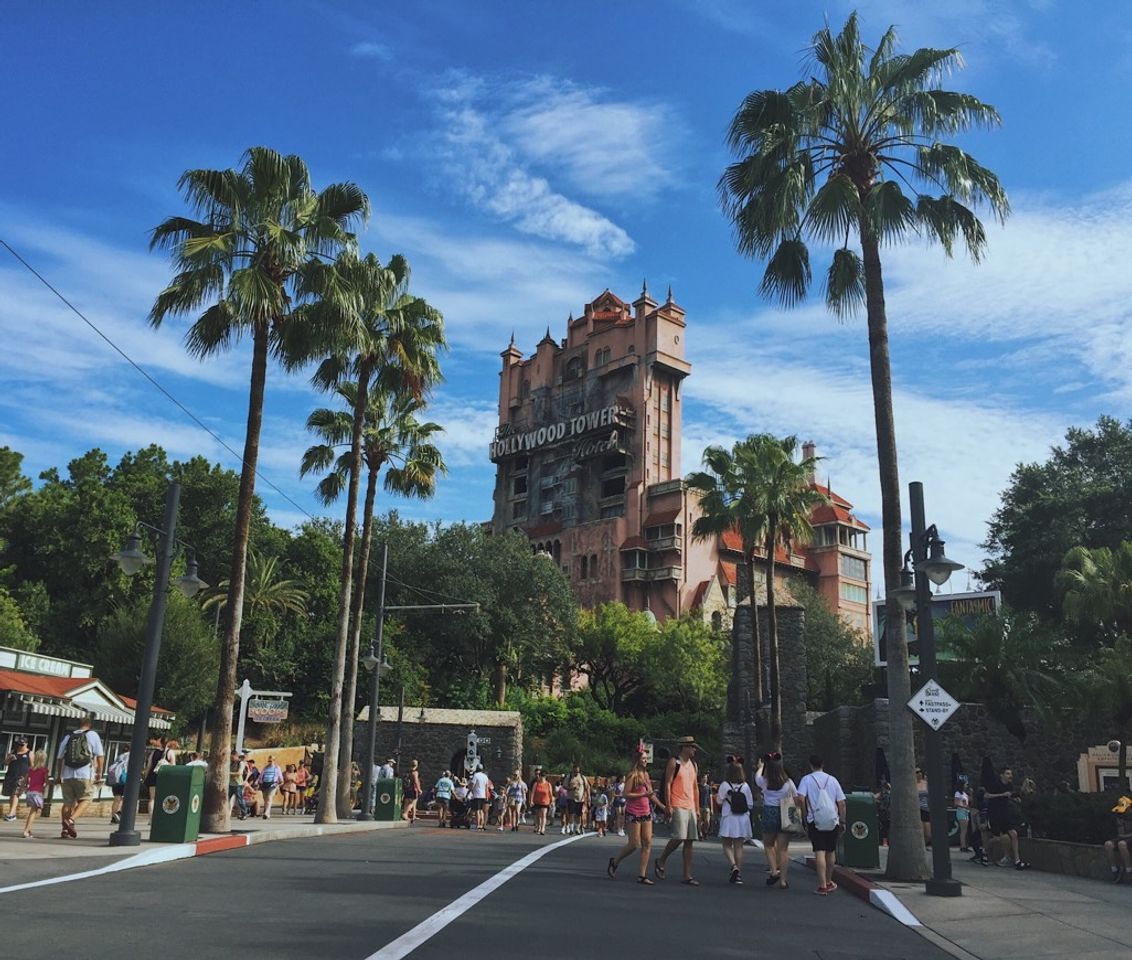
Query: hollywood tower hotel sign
point(587, 455)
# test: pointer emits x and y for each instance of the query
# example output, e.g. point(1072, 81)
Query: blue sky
point(526, 156)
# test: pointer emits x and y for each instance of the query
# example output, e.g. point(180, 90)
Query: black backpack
point(738, 799)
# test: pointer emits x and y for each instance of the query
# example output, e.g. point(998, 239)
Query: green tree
point(252, 255)
point(13, 483)
point(14, 631)
point(1081, 496)
point(267, 590)
point(1095, 587)
point(1007, 662)
point(1106, 691)
point(839, 658)
point(395, 337)
point(190, 654)
point(685, 668)
point(614, 644)
point(828, 161)
point(392, 437)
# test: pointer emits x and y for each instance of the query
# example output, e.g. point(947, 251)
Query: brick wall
point(435, 744)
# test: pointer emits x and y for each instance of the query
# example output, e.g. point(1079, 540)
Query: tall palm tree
point(729, 494)
point(1096, 588)
point(394, 337)
point(788, 498)
point(392, 437)
point(829, 161)
point(244, 264)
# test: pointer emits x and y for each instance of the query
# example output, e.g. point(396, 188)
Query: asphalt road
point(346, 897)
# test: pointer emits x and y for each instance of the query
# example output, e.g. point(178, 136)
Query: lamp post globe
point(131, 559)
point(937, 566)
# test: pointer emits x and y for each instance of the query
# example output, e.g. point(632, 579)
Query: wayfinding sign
point(933, 704)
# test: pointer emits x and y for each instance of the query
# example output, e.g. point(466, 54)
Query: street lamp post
point(131, 560)
point(930, 564)
point(376, 664)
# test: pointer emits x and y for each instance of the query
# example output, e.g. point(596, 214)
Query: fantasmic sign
point(508, 444)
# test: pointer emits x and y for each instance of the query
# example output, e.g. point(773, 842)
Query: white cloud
point(469, 425)
point(371, 49)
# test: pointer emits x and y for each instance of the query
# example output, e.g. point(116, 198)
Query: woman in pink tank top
point(640, 799)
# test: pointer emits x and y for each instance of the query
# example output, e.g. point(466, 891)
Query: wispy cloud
point(372, 50)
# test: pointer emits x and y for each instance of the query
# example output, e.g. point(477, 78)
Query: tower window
point(585, 571)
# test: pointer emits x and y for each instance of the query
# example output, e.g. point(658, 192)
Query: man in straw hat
point(680, 779)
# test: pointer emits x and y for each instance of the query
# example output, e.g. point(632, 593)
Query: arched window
point(593, 565)
point(557, 551)
point(585, 568)
point(575, 367)
point(717, 621)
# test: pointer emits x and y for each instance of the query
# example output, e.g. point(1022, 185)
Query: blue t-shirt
point(444, 787)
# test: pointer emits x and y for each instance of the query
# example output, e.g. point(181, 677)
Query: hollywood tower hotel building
point(587, 455)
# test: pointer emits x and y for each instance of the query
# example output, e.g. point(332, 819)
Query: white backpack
point(823, 808)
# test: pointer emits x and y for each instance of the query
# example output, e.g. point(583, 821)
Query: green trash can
point(387, 800)
point(859, 843)
point(177, 802)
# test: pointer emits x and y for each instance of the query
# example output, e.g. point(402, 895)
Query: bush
point(1074, 817)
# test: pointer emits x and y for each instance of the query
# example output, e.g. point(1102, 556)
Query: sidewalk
point(48, 855)
point(1006, 913)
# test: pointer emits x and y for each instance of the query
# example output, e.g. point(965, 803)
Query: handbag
point(790, 817)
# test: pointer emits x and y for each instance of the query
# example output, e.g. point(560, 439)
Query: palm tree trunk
point(350, 695)
point(500, 684)
point(215, 818)
point(332, 777)
point(906, 856)
point(772, 642)
point(756, 649)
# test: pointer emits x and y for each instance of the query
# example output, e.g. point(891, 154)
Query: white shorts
point(684, 825)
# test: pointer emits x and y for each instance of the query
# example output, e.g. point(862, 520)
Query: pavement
point(431, 893)
point(48, 855)
point(1006, 913)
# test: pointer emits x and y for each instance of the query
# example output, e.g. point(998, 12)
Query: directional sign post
point(933, 704)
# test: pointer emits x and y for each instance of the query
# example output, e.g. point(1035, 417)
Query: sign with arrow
point(933, 704)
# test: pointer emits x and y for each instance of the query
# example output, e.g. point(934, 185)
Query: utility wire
point(188, 413)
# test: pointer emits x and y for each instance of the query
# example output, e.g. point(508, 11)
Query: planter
point(1060, 856)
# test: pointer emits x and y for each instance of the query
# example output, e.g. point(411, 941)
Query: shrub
point(1074, 817)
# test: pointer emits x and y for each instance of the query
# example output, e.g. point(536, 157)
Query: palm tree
point(265, 589)
point(828, 161)
point(1096, 588)
point(394, 337)
point(729, 500)
point(788, 497)
point(392, 437)
point(1108, 690)
point(244, 264)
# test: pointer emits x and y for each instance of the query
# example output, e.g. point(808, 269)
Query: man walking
point(80, 759)
point(578, 788)
point(681, 796)
point(444, 788)
point(477, 793)
point(237, 780)
point(823, 804)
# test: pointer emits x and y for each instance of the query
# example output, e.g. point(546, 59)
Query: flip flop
point(611, 869)
point(691, 882)
point(658, 869)
point(646, 881)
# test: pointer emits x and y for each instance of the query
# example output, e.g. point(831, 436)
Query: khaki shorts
point(684, 826)
point(76, 790)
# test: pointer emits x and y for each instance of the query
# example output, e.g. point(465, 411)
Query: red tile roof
point(39, 685)
point(835, 497)
point(732, 541)
point(730, 572)
point(835, 513)
point(133, 705)
point(635, 543)
point(698, 596)
point(663, 516)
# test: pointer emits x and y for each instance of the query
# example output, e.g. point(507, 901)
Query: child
point(37, 786)
point(962, 811)
point(601, 812)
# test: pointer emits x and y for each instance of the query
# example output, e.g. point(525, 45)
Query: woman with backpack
point(735, 803)
point(778, 790)
point(116, 777)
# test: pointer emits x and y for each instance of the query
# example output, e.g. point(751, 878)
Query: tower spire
point(670, 293)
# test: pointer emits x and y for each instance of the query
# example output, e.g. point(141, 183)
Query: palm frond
point(787, 276)
point(845, 282)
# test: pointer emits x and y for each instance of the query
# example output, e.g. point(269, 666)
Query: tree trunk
point(350, 692)
point(500, 684)
point(332, 777)
point(772, 642)
point(756, 648)
point(906, 855)
point(215, 818)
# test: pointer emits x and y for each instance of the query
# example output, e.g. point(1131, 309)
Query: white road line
point(426, 929)
point(177, 851)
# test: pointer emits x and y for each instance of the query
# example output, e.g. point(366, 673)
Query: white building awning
point(51, 708)
point(106, 713)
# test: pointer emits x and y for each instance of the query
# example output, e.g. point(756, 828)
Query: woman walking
point(270, 778)
point(411, 784)
point(16, 777)
point(290, 790)
point(542, 795)
point(735, 804)
point(640, 799)
point(515, 793)
point(777, 788)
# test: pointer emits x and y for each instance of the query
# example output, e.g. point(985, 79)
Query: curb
point(872, 893)
point(167, 853)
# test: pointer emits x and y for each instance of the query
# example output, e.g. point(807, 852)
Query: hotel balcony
point(663, 544)
point(664, 573)
point(635, 575)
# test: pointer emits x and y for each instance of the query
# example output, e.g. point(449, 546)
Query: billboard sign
point(267, 711)
point(968, 607)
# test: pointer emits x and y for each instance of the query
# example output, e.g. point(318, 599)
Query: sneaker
point(739, 880)
point(9, 818)
point(563, 831)
point(1021, 865)
point(620, 833)
point(983, 861)
point(115, 818)
point(1005, 862)
point(734, 878)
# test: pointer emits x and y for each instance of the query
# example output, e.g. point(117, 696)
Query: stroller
point(459, 813)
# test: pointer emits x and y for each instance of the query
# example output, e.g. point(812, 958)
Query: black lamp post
point(929, 563)
point(132, 560)
point(377, 664)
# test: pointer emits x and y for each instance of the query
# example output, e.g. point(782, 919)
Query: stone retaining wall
point(1060, 856)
